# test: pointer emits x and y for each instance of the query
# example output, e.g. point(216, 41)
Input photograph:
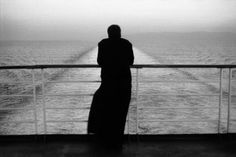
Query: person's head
point(114, 31)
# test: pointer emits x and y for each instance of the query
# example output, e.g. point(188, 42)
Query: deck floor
point(154, 148)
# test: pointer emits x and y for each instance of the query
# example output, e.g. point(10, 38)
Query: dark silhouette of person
point(107, 116)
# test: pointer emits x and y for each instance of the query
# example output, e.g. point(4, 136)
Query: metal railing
point(137, 81)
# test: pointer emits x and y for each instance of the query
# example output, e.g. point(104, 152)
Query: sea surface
point(164, 100)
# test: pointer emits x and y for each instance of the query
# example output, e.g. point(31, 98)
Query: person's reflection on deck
point(110, 103)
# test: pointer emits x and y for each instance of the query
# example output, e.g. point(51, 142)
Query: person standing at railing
point(110, 103)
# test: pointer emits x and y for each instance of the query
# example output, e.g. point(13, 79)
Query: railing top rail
point(44, 66)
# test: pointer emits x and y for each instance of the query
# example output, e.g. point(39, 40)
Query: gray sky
point(86, 19)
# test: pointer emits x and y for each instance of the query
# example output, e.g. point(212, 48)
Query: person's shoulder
point(125, 41)
point(103, 41)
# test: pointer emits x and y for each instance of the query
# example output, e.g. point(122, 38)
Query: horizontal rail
point(17, 82)
point(91, 94)
point(74, 81)
point(179, 81)
point(64, 121)
point(177, 95)
point(141, 120)
point(144, 81)
point(163, 108)
point(23, 121)
point(12, 95)
point(138, 95)
point(140, 108)
point(67, 108)
point(189, 121)
point(43, 66)
point(16, 108)
point(68, 94)
point(59, 121)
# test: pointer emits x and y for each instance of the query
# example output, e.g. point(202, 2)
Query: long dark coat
point(110, 103)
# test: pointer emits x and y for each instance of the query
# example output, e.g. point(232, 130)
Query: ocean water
point(168, 101)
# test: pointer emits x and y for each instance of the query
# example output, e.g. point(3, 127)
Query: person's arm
point(99, 58)
point(131, 55)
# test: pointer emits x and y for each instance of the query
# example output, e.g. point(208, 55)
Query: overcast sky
point(85, 19)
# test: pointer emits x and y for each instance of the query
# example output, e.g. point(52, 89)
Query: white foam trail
point(139, 57)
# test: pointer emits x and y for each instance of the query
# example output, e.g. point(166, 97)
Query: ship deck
point(143, 146)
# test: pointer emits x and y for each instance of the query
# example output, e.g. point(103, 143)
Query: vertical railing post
point(43, 99)
point(137, 86)
point(220, 100)
point(229, 100)
point(35, 103)
point(128, 123)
